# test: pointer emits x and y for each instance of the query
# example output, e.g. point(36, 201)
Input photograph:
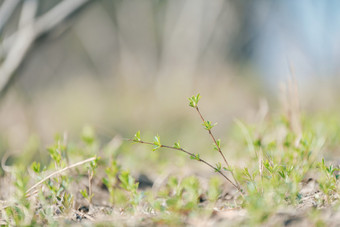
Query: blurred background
point(123, 66)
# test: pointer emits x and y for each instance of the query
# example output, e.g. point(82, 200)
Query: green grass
point(275, 163)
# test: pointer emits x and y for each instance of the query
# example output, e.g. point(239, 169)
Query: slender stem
point(218, 148)
point(90, 176)
point(59, 172)
point(198, 159)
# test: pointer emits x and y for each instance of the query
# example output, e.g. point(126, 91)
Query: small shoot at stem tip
point(193, 101)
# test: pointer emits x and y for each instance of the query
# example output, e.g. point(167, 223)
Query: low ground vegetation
point(287, 176)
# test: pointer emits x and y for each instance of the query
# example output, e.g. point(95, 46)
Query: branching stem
point(195, 157)
point(219, 149)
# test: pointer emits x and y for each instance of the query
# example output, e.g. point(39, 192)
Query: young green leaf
point(246, 173)
point(55, 154)
point(177, 145)
point(207, 125)
point(282, 174)
point(36, 167)
point(193, 101)
point(137, 137)
point(218, 147)
point(84, 193)
point(218, 167)
point(157, 143)
point(128, 182)
point(195, 157)
point(267, 165)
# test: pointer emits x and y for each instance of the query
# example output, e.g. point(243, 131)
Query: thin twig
point(3, 162)
point(59, 172)
point(195, 157)
point(15, 48)
point(219, 149)
point(90, 176)
point(6, 11)
point(20, 45)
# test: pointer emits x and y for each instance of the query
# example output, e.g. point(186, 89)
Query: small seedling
point(111, 180)
point(90, 171)
point(129, 184)
point(193, 102)
point(328, 183)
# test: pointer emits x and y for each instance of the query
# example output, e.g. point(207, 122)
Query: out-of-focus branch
point(28, 12)
point(22, 42)
point(6, 10)
point(55, 16)
point(15, 47)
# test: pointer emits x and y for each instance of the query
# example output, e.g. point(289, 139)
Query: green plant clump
point(275, 173)
point(87, 181)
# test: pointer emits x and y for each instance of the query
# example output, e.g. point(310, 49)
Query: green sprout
point(137, 137)
point(193, 101)
point(218, 167)
point(195, 157)
point(157, 143)
point(217, 146)
point(177, 145)
point(208, 126)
